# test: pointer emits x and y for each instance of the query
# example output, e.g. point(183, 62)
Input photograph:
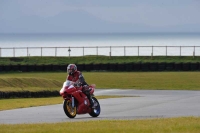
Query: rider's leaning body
point(76, 76)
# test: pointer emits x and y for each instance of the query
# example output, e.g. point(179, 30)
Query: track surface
point(148, 104)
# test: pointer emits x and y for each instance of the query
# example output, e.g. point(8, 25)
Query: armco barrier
point(121, 67)
point(186, 66)
point(161, 66)
point(178, 66)
point(104, 67)
point(81, 67)
point(31, 68)
point(113, 67)
point(28, 94)
point(88, 67)
point(15, 67)
point(129, 66)
point(169, 66)
point(194, 66)
point(136, 66)
point(7, 68)
point(63, 67)
point(56, 68)
point(47, 68)
point(23, 68)
point(153, 66)
point(96, 67)
point(39, 68)
point(145, 66)
point(1, 68)
point(199, 66)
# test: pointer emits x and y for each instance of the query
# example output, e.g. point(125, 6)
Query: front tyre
point(95, 111)
point(68, 109)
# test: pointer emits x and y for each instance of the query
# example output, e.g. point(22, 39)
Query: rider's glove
point(77, 84)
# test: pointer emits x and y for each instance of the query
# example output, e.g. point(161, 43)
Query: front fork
point(72, 100)
point(73, 103)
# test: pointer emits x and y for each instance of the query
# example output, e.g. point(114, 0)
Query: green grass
point(28, 84)
point(167, 125)
point(95, 59)
point(125, 80)
point(144, 80)
point(6, 104)
point(122, 80)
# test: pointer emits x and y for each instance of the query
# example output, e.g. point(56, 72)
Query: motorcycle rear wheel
point(97, 110)
point(68, 109)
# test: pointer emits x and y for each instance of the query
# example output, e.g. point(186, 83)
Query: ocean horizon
point(115, 44)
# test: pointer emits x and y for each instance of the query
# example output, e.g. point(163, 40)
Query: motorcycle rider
point(76, 76)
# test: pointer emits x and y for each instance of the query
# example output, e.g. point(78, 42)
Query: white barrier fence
point(101, 50)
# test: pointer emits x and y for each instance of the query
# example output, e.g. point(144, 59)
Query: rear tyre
point(68, 109)
point(97, 110)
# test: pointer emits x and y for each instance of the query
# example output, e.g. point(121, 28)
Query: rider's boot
point(87, 92)
point(91, 101)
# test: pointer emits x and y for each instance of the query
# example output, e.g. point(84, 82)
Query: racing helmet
point(71, 69)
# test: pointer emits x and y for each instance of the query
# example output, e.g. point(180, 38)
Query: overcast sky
point(99, 16)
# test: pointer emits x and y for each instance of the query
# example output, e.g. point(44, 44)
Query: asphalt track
point(144, 104)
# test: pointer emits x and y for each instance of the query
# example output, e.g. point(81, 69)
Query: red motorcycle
point(76, 102)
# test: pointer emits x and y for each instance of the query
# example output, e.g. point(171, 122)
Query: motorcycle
point(76, 102)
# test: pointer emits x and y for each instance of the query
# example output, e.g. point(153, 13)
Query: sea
point(108, 44)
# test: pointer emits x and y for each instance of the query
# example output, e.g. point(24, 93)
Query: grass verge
point(167, 125)
point(6, 104)
point(108, 80)
point(94, 59)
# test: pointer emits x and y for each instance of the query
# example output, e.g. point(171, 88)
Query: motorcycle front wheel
point(95, 111)
point(68, 109)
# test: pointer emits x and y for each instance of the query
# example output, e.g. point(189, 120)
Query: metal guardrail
point(101, 50)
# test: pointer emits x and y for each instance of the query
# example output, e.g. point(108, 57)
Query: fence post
point(194, 52)
point(124, 50)
point(55, 51)
point(13, 51)
point(110, 51)
point(83, 51)
point(97, 50)
point(27, 51)
point(41, 51)
point(69, 50)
